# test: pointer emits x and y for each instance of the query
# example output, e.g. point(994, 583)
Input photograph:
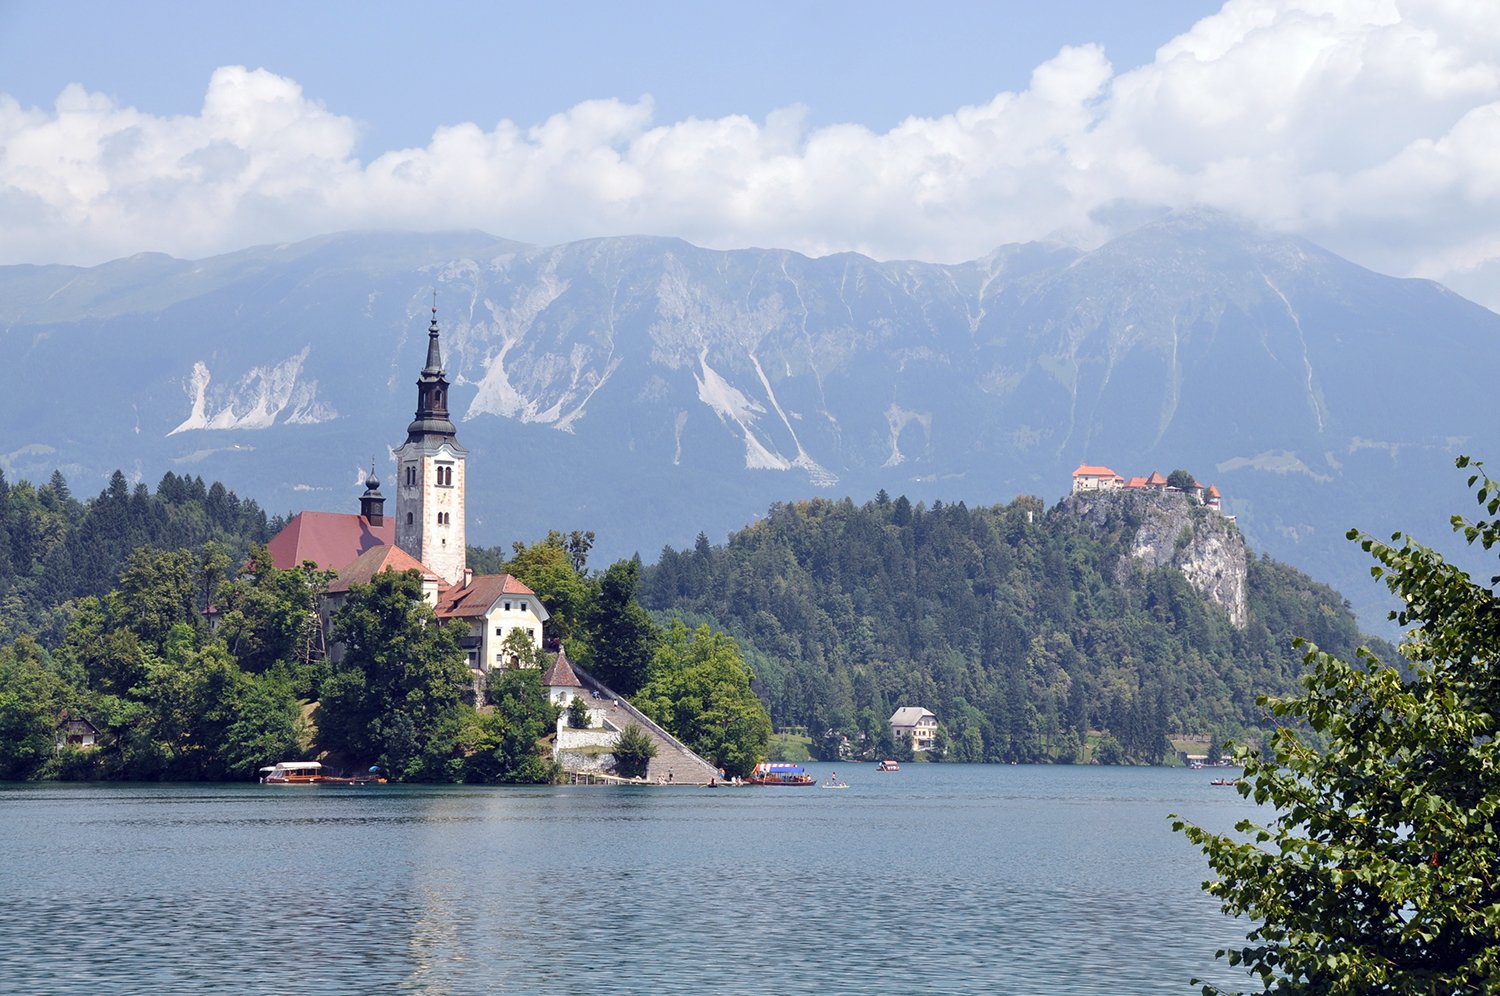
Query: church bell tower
point(430, 475)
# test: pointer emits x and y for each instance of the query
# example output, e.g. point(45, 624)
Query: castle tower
point(430, 475)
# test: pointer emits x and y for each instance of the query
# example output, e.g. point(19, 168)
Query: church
point(426, 534)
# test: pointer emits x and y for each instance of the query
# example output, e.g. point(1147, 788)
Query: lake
point(937, 879)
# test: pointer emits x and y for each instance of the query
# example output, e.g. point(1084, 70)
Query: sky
point(936, 132)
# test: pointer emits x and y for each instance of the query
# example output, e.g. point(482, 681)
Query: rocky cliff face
point(1167, 529)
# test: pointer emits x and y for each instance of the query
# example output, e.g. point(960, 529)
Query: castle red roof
point(332, 540)
point(1156, 480)
point(375, 560)
point(560, 674)
point(1087, 470)
point(1136, 482)
point(479, 595)
point(1213, 491)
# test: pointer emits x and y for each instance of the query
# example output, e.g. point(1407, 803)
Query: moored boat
point(780, 773)
point(312, 773)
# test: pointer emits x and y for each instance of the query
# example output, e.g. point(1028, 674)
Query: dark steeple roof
point(372, 502)
point(432, 393)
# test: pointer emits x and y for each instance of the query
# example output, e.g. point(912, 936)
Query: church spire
point(432, 391)
point(434, 354)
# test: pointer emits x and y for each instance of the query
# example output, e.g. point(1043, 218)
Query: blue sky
point(401, 68)
point(902, 131)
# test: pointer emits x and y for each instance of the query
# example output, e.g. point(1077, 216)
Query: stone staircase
point(673, 764)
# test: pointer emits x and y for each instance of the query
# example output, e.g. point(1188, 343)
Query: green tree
point(700, 692)
point(519, 650)
point(508, 744)
point(623, 638)
point(633, 751)
point(268, 615)
point(1378, 870)
point(550, 568)
point(31, 698)
point(1180, 479)
point(158, 590)
point(578, 713)
point(397, 695)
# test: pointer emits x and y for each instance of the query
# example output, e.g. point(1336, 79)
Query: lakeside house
point(77, 732)
point(915, 725)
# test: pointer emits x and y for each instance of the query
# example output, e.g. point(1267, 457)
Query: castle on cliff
point(1091, 478)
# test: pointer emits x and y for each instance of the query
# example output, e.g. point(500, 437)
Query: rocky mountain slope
point(649, 389)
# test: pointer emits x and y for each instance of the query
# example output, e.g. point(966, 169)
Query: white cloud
point(1369, 125)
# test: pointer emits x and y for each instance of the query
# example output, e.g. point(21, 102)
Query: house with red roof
point(493, 606)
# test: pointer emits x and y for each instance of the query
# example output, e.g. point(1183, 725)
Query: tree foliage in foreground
point(1379, 870)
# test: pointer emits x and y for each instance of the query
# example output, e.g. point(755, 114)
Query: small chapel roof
point(561, 674)
point(332, 540)
point(376, 560)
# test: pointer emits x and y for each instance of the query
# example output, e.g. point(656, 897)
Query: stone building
point(426, 534)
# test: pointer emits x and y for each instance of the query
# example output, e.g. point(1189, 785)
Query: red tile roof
point(1136, 482)
point(1085, 470)
point(1156, 480)
point(478, 596)
point(560, 674)
point(375, 560)
point(332, 540)
point(1213, 491)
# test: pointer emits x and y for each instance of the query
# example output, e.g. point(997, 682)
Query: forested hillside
point(1023, 628)
point(54, 548)
point(105, 626)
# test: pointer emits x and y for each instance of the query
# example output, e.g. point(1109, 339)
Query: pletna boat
point(312, 773)
point(780, 773)
point(888, 765)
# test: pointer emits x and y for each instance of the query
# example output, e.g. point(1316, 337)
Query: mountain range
point(649, 390)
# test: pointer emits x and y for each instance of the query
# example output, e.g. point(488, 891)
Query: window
point(408, 518)
point(444, 477)
point(499, 631)
point(411, 475)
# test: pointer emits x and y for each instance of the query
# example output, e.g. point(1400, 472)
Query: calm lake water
point(939, 879)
